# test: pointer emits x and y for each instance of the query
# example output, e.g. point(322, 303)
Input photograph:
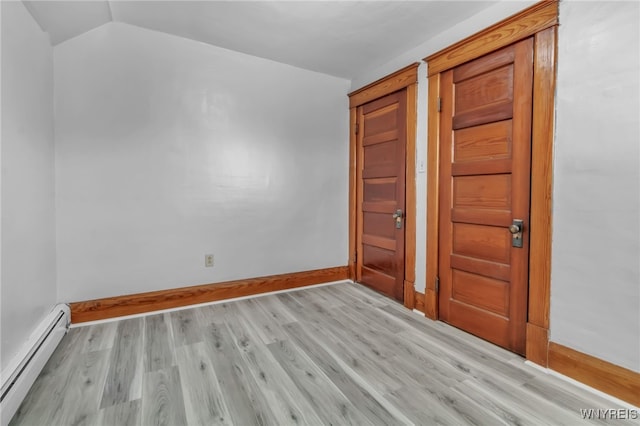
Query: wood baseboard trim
point(409, 295)
point(111, 307)
point(537, 344)
point(599, 374)
point(431, 304)
point(419, 302)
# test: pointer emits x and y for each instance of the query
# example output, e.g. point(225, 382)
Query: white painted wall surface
point(595, 286)
point(446, 38)
point(168, 149)
point(28, 286)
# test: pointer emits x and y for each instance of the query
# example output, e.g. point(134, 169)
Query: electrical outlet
point(208, 260)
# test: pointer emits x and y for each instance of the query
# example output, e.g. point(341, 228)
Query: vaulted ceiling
point(340, 38)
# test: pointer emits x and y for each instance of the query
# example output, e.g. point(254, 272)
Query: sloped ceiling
point(340, 38)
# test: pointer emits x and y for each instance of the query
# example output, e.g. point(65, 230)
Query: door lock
point(398, 215)
point(516, 229)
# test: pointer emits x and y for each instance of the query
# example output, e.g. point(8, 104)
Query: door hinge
point(355, 257)
point(439, 104)
point(357, 128)
point(437, 284)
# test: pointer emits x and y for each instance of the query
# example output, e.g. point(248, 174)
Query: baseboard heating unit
point(20, 374)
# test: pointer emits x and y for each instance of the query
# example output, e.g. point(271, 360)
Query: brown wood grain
point(493, 139)
point(500, 165)
point(602, 375)
point(484, 292)
point(482, 216)
point(385, 86)
point(521, 184)
point(384, 143)
point(489, 89)
point(419, 302)
point(541, 20)
point(409, 295)
point(480, 298)
point(433, 174)
point(537, 344)
point(536, 18)
point(445, 240)
point(353, 117)
point(111, 307)
point(407, 79)
point(542, 177)
point(410, 188)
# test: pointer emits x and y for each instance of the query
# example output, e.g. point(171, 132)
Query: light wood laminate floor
point(333, 355)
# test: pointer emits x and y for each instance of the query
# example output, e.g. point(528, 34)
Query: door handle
point(516, 228)
point(398, 215)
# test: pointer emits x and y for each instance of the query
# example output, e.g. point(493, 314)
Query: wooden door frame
point(404, 79)
point(539, 21)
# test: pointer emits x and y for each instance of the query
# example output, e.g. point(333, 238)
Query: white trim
point(581, 385)
point(182, 308)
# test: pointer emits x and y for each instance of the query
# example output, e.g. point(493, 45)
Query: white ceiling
point(340, 38)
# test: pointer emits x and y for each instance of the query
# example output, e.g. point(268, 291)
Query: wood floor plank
point(420, 407)
point(467, 359)
point(382, 375)
point(564, 396)
point(275, 385)
point(375, 408)
point(159, 346)
point(99, 337)
point(243, 399)
point(187, 326)
point(125, 414)
point(275, 309)
point(462, 408)
point(124, 379)
point(326, 295)
point(414, 361)
point(327, 400)
point(70, 399)
point(162, 400)
point(267, 328)
point(503, 407)
point(512, 392)
point(450, 334)
point(204, 403)
point(360, 293)
point(84, 391)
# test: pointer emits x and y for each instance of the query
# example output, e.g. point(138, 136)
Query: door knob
point(516, 228)
point(398, 215)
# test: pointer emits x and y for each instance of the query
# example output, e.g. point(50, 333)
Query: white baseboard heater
point(20, 374)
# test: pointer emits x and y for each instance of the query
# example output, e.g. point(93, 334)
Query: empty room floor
point(332, 355)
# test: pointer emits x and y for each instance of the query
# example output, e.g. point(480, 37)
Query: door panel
point(485, 185)
point(381, 190)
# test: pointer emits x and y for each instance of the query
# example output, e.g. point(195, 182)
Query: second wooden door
point(381, 194)
point(485, 148)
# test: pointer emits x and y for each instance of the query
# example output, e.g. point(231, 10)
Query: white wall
point(595, 299)
point(28, 276)
point(168, 149)
point(595, 286)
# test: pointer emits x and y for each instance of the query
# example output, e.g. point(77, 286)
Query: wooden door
point(381, 194)
point(485, 185)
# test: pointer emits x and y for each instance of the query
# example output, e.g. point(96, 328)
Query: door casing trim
point(407, 79)
point(539, 21)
